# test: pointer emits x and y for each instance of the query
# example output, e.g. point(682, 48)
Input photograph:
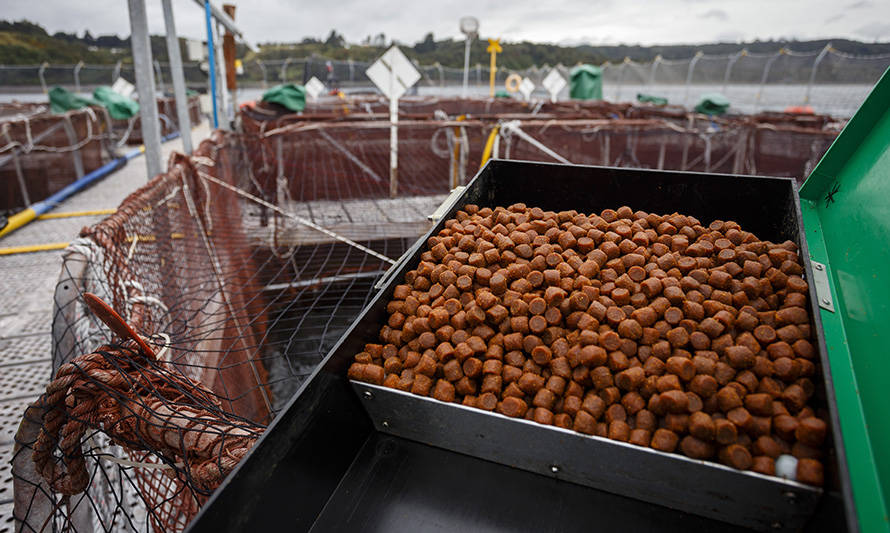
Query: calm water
point(836, 100)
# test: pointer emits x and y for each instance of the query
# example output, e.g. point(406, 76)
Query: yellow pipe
point(71, 214)
point(18, 220)
point(33, 248)
point(494, 48)
point(489, 145)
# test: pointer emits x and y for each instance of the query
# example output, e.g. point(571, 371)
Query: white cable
point(513, 126)
point(296, 218)
point(342, 149)
point(143, 299)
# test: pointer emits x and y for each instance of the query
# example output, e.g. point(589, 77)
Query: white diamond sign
point(554, 83)
point(123, 87)
point(314, 87)
point(393, 73)
point(526, 87)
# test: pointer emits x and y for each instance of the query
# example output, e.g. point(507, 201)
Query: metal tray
point(701, 487)
point(309, 459)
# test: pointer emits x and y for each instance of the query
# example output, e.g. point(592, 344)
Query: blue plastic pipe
point(211, 59)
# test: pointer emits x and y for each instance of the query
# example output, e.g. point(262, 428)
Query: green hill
point(27, 43)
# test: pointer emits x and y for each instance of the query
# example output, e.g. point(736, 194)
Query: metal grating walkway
point(26, 302)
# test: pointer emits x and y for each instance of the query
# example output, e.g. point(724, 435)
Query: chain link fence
point(829, 81)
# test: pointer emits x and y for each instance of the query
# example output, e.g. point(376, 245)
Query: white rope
point(143, 299)
point(30, 146)
point(342, 149)
point(164, 200)
point(132, 247)
point(162, 355)
point(513, 126)
point(126, 462)
point(296, 218)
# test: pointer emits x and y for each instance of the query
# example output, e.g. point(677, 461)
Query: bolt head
point(826, 301)
point(554, 469)
point(818, 267)
point(368, 395)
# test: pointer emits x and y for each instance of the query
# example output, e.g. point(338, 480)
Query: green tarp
point(586, 83)
point(61, 100)
point(712, 104)
point(651, 99)
point(119, 106)
point(502, 94)
point(289, 95)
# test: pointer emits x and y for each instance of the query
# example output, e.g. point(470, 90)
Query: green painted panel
point(846, 210)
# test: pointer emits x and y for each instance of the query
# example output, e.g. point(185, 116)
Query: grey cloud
point(717, 14)
point(875, 30)
point(834, 18)
point(628, 21)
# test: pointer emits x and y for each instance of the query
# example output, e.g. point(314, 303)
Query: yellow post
point(494, 48)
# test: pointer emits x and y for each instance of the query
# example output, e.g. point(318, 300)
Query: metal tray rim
point(383, 427)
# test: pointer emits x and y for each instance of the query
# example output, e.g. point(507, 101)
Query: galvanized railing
point(828, 80)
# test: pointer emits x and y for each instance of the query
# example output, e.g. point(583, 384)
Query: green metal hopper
point(846, 211)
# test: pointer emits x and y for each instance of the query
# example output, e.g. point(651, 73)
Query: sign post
point(469, 26)
point(526, 87)
point(393, 74)
point(494, 48)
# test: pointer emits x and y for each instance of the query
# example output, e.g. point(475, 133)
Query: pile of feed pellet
point(650, 329)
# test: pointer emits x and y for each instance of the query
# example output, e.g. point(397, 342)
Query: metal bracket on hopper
point(823, 289)
point(446, 204)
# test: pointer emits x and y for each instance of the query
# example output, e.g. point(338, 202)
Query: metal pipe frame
point(182, 104)
point(145, 85)
point(221, 17)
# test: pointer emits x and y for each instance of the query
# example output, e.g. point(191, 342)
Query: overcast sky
point(555, 21)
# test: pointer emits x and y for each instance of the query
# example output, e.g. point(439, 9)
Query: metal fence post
point(478, 74)
point(159, 74)
point(145, 85)
point(262, 66)
point(818, 60)
point(655, 63)
point(441, 74)
point(692, 63)
point(182, 102)
point(732, 60)
point(766, 69)
point(77, 68)
point(351, 64)
point(621, 79)
point(40, 75)
point(284, 70)
point(116, 73)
